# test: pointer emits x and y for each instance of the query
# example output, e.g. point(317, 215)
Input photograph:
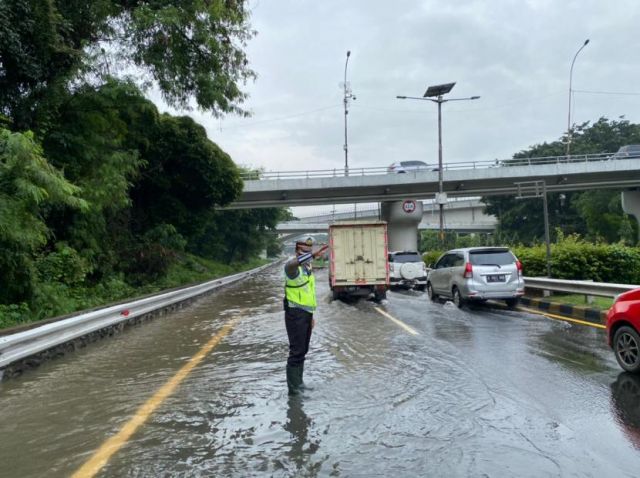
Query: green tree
point(602, 212)
point(237, 235)
point(28, 183)
point(189, 48)
point(98, 139)
point(572, 212)
point(185, 176)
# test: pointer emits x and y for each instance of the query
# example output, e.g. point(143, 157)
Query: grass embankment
point(602, 303)
point(55, 299)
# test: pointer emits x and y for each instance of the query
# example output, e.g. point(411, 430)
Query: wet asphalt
point(481, 391)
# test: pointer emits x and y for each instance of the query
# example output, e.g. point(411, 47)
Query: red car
point(623, 324)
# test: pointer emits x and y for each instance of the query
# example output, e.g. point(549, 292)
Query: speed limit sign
point(409, 206)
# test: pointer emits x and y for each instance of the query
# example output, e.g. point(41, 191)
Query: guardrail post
point(588, 299)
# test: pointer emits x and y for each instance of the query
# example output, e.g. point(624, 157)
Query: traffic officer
point(299, 305)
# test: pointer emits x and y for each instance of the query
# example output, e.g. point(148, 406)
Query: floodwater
point(475, 392)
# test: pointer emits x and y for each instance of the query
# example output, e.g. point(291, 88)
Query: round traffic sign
point(409, 206)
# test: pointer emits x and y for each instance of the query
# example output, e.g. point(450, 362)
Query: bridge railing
point(464, 165)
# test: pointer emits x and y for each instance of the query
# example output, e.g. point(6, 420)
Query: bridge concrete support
point(402, 219)
point(631, 204)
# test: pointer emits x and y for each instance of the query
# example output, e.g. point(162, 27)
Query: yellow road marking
point(400, 323)
point(113, 444)
point(560, 317)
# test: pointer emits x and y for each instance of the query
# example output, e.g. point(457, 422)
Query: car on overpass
point(628, 151)
point(400, 167)
point(623, 326)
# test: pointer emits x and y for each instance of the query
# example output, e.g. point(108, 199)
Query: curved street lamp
point(569, 129)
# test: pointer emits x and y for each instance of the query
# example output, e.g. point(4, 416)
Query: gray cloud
point(514, 54)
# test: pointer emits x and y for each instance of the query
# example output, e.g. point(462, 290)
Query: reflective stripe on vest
point(301, 291)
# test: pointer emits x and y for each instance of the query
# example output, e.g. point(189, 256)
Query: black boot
point(294, 379)
point(303, 386)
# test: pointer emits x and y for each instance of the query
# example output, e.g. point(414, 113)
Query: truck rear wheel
point(379, 296)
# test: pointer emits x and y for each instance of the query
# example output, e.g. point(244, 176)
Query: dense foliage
point(188, 48)
point(101, 196)
point(574, 258)
point(596, 215)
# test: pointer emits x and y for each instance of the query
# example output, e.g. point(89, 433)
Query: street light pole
point(440, 182)
point(347, 96)
point(569, 129)
point(437, 92)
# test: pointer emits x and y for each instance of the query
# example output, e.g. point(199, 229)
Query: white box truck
point(358, 259)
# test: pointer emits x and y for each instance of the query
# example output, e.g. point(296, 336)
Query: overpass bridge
point(561, 173)
point(465, 215)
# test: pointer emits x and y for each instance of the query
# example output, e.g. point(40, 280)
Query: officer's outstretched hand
point(320, 251)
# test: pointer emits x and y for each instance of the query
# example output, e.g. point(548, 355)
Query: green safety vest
point(301, 291)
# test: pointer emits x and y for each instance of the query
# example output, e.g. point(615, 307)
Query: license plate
point(496, 278)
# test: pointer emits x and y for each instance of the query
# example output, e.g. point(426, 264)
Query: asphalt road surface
point(406, 388)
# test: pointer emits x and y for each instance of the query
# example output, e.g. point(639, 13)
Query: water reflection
point(302, 448)
point(577, 348)
point(625, 400)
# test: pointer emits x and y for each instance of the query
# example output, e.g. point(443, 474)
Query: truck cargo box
point(358, 258)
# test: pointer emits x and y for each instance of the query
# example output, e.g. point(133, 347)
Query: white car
point(407, 269)
point(406, 166)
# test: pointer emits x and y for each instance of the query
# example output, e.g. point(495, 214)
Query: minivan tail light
point(468, 271)
point(519, 267)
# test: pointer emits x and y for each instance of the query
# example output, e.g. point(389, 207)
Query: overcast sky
point(515, 54)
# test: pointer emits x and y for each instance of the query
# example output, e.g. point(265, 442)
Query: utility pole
point(348, 95)
point(538, 189)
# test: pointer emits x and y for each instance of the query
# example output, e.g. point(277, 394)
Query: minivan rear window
point(491, 258)
point(402, 258)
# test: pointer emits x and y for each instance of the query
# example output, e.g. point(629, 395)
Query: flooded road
point(473, 392)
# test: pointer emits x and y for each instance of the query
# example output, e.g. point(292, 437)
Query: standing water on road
point(472, 392)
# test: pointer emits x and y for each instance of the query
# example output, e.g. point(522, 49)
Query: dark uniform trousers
point(298, 323)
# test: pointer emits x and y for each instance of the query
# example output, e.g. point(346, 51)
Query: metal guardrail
point(373, 171)
point(33, 341)
point(601, 289)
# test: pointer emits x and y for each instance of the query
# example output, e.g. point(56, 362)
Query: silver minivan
point(477, 273)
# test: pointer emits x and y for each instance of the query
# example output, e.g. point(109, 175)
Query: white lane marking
point(411, 330)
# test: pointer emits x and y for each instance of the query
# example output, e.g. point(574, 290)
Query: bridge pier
point(402, 219)
point(631, 204)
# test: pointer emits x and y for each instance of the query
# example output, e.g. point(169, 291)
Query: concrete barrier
point(587, 314)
